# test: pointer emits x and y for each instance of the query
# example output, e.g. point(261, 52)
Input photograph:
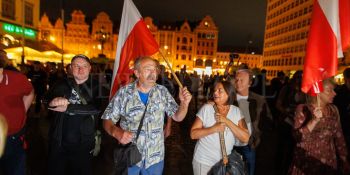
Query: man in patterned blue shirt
point(128, 106)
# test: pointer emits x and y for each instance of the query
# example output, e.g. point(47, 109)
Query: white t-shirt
point(208, 150)
point(244, 106)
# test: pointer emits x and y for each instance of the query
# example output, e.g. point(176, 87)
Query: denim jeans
point(156, 169)
point(14, 159)
point(249, 156)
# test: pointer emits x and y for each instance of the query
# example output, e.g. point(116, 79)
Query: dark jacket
point(260, 116)
point(78, 123)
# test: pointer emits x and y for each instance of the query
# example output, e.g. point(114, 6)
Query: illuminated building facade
point(77, 37)
point(223, 58)
point(187, 44)
point(286, 32)
point(19, 21)
point(12, 19)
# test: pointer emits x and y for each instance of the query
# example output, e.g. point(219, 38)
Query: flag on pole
point(329, 34)
point(134, 40)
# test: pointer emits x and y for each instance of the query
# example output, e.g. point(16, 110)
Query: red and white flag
point(134, 40)
point(329, 34)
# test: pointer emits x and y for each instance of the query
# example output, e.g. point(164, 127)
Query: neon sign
point(18, 30)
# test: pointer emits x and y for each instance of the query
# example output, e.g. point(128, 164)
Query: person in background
point(320, 147)
point(16, 96)
point(342, 101)
point(165, 81)
point(206, 128)
point(38, 78)
point(75, 105)
point(256, 113)
point(289, 98)
point(196, 83)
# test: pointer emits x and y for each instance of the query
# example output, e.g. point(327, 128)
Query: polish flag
point(329, 34)
point(134, 40)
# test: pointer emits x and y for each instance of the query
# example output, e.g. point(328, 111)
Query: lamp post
point(102, 36)
point(23, 39)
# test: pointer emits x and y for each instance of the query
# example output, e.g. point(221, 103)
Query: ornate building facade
point(189, 45)
point(77, 38)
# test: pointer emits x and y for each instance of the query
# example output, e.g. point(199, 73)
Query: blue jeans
point(249, 156)
point(14, 159)
point(156, 169)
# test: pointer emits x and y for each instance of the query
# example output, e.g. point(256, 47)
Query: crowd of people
point(313, 131)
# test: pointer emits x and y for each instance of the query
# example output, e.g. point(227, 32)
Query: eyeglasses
point(151, 69)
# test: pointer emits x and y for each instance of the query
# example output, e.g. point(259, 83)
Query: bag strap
point(81, 97)
point(75, 87)
point(222, 140)
point(141, 123)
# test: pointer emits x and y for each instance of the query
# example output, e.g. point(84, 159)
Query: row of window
point(287, 39)
point(285, 9)
point(207, 63)
point(289, 28)
point(249, 58)
point(298, 48)
point(184, 48)
point(184, 40)
point(292, 16)
point(8, 10)
point(206, 52)
point(206, 35)
point(284, 62)
point(211, 44)
point(183, 57)
point(280, 2)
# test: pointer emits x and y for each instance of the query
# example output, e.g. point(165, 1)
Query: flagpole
point(171, 69)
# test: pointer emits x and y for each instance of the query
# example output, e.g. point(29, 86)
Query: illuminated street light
point(102, 36)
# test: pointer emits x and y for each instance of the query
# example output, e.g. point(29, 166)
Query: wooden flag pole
point(171, 69)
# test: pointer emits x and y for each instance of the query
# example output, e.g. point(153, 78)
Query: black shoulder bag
point(127, 155)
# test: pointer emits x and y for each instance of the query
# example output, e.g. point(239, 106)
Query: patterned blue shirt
point(127, 107)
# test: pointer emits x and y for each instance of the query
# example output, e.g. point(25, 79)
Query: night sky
point(239, 21)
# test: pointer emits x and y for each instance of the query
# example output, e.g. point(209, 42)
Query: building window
point(28, 13)
point(199, 62)
point(8, 9)
point(299, 61)
point(184, 40)
point(183, 57)
point(208, 63)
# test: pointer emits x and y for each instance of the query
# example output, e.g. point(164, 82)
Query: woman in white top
point(206, 129)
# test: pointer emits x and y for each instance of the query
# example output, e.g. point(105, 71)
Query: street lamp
point(102, 36)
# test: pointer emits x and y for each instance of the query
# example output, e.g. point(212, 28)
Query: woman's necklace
point(223, 110)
